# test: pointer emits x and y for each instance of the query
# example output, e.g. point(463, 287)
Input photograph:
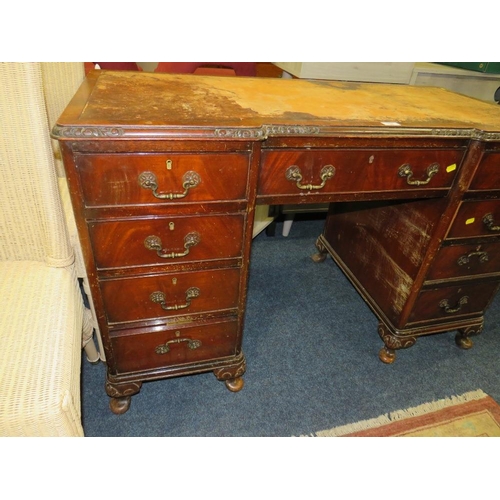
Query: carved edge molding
point(266, 131)
point(86, 132)
point(239, 133)
point(261, 133)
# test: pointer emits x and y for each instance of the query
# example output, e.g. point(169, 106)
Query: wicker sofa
point(42, 313)
point(60, 82)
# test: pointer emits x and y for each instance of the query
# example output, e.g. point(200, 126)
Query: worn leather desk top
point(200, 104)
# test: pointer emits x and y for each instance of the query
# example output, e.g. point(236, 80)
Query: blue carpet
point(311, 345)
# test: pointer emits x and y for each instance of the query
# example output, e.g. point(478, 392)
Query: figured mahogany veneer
point(114, 179)
point(145, 350)
point(365, 171)
point(458, 261)
point(488, 174)
point(165, 171)
point(170, 295)
point(476, 218)
point(457, 301)
point(124, 243)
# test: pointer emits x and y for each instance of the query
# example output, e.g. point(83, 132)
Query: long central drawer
point(286, 172)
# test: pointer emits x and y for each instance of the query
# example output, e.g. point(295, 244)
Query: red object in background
point(123, 66)
point(239, 68)
point(199, 68)
point(127, 66)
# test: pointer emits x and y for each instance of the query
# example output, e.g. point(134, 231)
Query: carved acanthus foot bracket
point(322, 251)
point(392, 342)
point(120, 395)
point(231, 375)
point(462, 338)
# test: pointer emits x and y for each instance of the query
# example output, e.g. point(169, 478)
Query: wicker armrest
point(40, 358)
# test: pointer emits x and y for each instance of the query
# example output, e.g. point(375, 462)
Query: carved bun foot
point(120, 405)
point(121, 394)
point(320, 256)
point(387, 355)
point(462, 338)
point(235, 384)
point(231, 375)
point(392, 341)
point(463, 342)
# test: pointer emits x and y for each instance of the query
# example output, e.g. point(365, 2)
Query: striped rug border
point(399, 415)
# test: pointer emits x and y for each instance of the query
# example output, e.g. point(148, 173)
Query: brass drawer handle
point(160, 298)
point(147, 180)
point(406, 171)
point(164, 348)
point(444, 304)
point(154, 243)
point(490, 223)
point(465, 259)
point(293, 174)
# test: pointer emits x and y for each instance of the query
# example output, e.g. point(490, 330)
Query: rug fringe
point(388, 418)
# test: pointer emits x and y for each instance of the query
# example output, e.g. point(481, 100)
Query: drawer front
point(121, 179)
point(178, 346)
point(466, 260)
point(488, 173)
point(169, 295)
point(476, 218)
point(453, 302)
point(327, 171)
point(167, 240)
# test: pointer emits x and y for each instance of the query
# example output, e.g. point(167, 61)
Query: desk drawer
point(153, 349)
point(488, 173)
point(476, 218)
point(453, 302)
point(466, 260)
point(288, 172)
point(168, 240)
point(169, 295)
point(128, 179)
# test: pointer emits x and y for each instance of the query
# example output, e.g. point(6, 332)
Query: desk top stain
point(156, 99)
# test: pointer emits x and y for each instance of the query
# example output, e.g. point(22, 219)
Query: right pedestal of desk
point(423, 266)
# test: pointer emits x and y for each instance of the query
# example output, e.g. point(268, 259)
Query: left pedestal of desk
point(166, 229)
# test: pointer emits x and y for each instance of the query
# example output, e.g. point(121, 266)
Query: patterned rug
point(474, 414)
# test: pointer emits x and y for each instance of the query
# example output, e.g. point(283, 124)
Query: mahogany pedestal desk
point(165, 171)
